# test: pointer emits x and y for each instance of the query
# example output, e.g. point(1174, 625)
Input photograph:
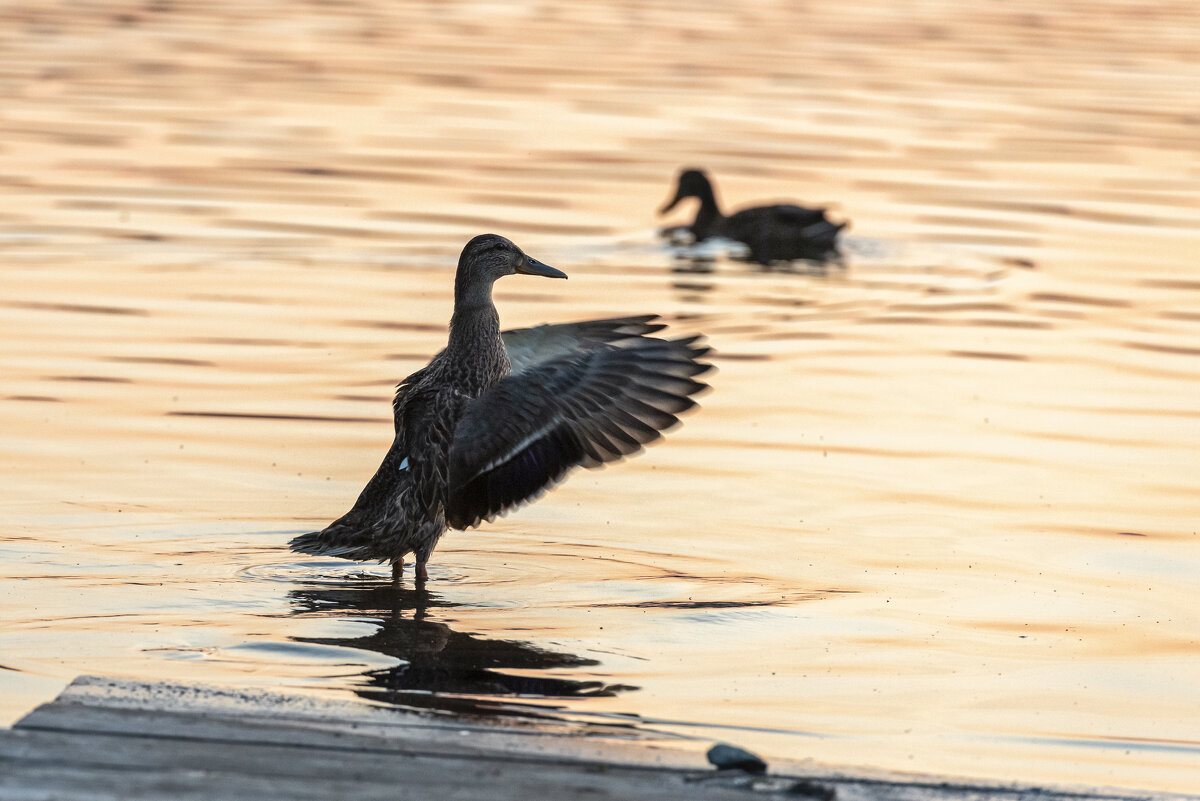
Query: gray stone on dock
point(114, 739)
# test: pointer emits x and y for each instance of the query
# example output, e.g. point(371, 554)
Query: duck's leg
point(421, 556)
point(397, 572)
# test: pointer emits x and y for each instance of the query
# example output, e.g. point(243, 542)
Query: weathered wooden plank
point(39, 764)
point(109, 739)
point(36, 765)
point(196, 726)
point(119, 706)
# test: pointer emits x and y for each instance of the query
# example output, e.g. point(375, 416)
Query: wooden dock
point(118, 739)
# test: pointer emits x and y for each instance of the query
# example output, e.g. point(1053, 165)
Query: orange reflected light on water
point(938, 512)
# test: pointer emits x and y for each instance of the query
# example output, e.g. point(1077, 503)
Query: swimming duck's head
point(691, 183)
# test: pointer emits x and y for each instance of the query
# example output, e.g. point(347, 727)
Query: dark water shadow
point(703, 260)
point(441, 668)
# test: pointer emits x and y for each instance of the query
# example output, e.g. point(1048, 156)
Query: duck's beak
point(530, 266)
point(675, 200)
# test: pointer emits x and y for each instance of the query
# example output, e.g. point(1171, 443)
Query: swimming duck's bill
point(672, 204)
point(531, 266)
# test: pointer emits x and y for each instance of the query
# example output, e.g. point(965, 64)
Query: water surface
point(939, 512)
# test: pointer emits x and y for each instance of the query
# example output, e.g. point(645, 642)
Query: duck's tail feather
point(341, 538)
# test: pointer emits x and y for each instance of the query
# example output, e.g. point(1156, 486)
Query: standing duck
point(498, 417)
point(773, 233)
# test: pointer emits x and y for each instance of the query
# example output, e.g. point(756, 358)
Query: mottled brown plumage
point(498, 417)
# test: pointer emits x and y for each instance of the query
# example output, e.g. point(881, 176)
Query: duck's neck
point(475, 325)
point(709, 213)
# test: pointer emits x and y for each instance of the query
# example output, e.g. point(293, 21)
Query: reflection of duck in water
point(436, 658)
point(498, 417)
point(772, 233)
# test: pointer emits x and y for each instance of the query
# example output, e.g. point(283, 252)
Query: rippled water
point(939, 512)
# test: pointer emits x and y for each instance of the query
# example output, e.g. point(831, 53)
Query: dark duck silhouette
point(772, 233)
point(496, 418)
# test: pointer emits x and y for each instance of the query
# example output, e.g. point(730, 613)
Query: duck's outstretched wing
point(528, 347)
point(587, 407)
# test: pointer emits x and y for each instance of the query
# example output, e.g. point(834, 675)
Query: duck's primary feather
point(496, 418)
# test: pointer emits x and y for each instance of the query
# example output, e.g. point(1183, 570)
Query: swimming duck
point(773, 233)
point(498, 417)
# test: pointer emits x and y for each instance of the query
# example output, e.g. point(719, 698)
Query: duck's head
point(489, 257)
point(691, 183)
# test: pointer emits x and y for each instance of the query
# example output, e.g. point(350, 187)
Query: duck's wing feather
point(380, 505)
point(797, 215)
point(783, 233)
point(749, 222)
point(401, 397)
point(354, 535)
point(586, 407)
point(529, 347)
